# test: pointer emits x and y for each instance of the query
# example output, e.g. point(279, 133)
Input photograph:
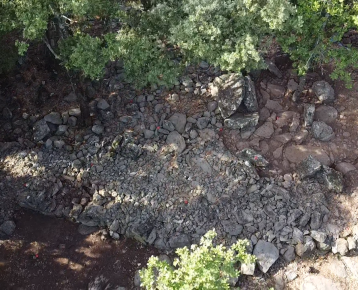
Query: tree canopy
point(155, 39)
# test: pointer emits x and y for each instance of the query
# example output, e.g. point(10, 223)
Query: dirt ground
point(50, 253)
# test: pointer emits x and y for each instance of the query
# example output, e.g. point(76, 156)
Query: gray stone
point(102, 104)
point(176, 141)
point(230, 95)
point(179, 121)
point(59, 143)
point(319, 236)
point(326, 114)
point(289, 255)
point(202, 123)
point(332, 179)
point(61, 130)
point(242, 121)
point(8, 227)
point(212, 106)
point(266, 254)
point(87, 230)
point(318, 282)
point(41, 130)
point(292, 85)
point(75, 112)
point(168, 125)
point(276, 91)
point(97, 129)
point(306, 248)
point(297, 236)
point(232, 227)
point(352, 243)
point(323, 91)
point(316, 220)
point(54, 118)
point(345, 167)
point(274, 106)
point(308, 114)
point(114, 227)
point(248, 269)
point(253, 157)
point(265, 131)
point(341, 246)
point(308, 167)
point(148, 134)
point(322, 131)
point(137, 281)
point(250, 100)
point(291, 275)
point(179, 241)
point(72, 121)
point(193, 134)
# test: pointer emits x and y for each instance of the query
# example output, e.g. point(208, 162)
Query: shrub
point(202, 267)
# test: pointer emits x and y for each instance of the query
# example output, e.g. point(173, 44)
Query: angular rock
point(102, 104)
point(266, 254)
point(323, 91)
point(316, 220)
point(253, 157)
point(341, 246)
point(308, 114)
point(98, 129)
point(276, 90)
point(148, 134)
point(179, 241)
point(54, 118)
point(308, 167)
point(352, 243)
point(289, 255)
point(232, 227)
point(230, 95)
point(265, 131)
point(176, 141)
point(75, 112)
point(168, 125)
point(306, 248)
point(273, 68)
point(250, 100)
point(241, 121)
point(179, 121)
point(8, 227)
point(41, 130)
point(202, 122)
point(322, 131)
point(345, 167)
point(326, 114)
point(319, 236)
point(332, 179)
point(212, 106)
point(274, 106)
point(248, 269)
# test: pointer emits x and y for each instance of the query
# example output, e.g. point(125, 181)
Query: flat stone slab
point(297, 153)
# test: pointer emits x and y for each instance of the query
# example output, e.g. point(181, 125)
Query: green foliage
point(202, 267)
point(156, 38)
point(317, 40)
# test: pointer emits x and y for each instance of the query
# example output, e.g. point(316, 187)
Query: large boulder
point(231, 93)
point(326, 114)
point(266, 254)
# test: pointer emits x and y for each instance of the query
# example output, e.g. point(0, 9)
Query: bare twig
point(50, 48)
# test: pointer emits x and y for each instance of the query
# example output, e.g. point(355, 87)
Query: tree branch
point(50, 48)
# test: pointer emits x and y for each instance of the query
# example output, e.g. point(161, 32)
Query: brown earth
point(50, 253)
